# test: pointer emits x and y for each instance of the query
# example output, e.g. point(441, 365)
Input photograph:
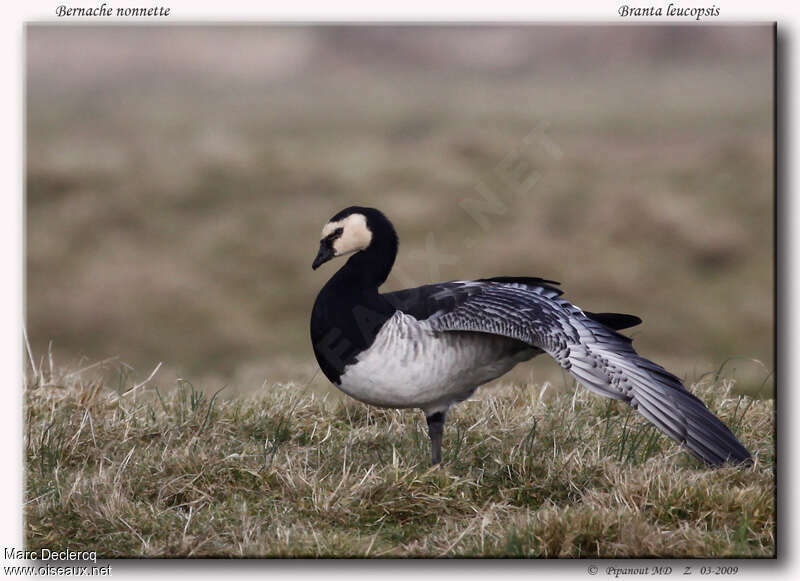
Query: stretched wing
point(427, 300)
point(600, 358)
point(424, 301)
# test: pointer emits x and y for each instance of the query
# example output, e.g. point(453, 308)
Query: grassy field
point(528, 471)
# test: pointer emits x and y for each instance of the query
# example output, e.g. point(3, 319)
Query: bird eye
point(330, 238)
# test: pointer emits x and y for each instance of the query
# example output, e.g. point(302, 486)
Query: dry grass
point(528, 471)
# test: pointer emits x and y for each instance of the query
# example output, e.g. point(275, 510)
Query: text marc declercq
point(50, 555)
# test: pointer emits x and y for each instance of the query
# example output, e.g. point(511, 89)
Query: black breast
point(344, 322)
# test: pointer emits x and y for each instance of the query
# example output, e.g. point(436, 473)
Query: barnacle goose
point(432, 346)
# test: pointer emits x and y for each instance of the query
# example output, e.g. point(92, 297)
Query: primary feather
point(600, 358)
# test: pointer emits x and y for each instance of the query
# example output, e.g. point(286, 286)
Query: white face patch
point(355, 234)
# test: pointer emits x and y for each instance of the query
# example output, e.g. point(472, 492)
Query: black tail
point(616, 321)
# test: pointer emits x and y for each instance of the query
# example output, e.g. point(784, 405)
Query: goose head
point(357, 230)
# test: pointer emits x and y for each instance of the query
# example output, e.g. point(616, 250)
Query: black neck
point(349, 311)
point(368, 269)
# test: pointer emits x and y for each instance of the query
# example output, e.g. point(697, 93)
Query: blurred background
point(177, 179)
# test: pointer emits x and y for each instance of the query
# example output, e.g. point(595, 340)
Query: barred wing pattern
point(600, 358)
point(423, 301)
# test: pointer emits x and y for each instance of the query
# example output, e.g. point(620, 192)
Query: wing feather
point(599, 357)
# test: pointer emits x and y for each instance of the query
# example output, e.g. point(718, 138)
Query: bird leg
point(435, 429)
